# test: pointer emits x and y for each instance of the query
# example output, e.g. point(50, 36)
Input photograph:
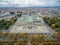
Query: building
point(30, 24)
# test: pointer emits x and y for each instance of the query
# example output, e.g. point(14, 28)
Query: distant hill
point(33, 7)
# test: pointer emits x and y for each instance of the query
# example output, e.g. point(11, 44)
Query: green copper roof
point(30, 19)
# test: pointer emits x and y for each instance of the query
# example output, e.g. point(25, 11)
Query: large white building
point(29, 24)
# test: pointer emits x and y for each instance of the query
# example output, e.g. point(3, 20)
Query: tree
point(53, 25)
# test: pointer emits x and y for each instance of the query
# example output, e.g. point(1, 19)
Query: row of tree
point(53, 22)
point(6, 24)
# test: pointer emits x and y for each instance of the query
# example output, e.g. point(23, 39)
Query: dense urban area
point(29, 26)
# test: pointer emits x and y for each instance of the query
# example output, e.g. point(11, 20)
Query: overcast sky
point(28, 3)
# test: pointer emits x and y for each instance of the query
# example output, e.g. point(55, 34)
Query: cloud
point(26, 3)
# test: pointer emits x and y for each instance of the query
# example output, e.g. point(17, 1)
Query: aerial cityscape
point(29, 22)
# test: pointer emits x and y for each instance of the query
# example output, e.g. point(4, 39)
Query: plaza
point(30, 24)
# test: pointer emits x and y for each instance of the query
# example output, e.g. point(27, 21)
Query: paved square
point(29, 24)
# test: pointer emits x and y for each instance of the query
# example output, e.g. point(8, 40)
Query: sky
point(28, 3)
